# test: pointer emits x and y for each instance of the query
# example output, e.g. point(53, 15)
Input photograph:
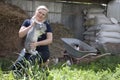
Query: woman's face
point(41, 14)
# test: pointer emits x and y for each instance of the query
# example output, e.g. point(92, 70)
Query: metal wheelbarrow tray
point(85, 51)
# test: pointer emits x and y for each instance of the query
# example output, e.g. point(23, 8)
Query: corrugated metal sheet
point(113, 9)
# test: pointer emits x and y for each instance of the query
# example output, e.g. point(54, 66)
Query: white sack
point(97, 20)
point(89, 33)
point(107, 39)
point(105, 27)
point(109, 34)
point(110, 27)
point(94, 28)
point(93, 15)
point(102, 20)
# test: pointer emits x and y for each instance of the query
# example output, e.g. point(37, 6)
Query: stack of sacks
point(90, 35)
point(92, 12)
point(92, 30)
point(108, 39)
point(101, 32)
point(105, 37)
point(91, 16)
point(109, 33)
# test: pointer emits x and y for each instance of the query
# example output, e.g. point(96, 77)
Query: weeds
point(107, 68)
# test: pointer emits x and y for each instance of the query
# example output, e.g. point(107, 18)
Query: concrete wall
point(113, 9)
point(73, 18)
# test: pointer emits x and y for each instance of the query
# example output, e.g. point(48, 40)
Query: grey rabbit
point(32, 36)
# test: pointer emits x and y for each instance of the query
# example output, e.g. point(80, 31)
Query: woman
point(42, 44)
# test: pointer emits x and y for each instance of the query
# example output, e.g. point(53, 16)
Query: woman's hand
point(33, 23)
point(24, 30)
point(33, 45)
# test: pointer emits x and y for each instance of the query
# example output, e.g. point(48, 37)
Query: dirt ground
point(11, 17)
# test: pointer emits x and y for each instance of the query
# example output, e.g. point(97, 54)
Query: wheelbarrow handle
point(89, 54)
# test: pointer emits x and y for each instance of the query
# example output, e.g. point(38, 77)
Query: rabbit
point(32, 36)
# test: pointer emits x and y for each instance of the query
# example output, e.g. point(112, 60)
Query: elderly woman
point(43, 41)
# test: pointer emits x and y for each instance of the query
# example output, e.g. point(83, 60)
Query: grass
point(106, 68)
point(5, 64)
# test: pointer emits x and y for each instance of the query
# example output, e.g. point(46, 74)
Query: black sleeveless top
point(27, 22)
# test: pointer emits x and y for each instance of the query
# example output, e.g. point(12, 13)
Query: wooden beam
point(89, 1)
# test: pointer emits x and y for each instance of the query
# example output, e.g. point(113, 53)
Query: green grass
point(106, 68)
point(5, 64)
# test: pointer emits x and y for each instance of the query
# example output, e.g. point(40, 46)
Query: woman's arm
point(23, 30)
point(47, 41)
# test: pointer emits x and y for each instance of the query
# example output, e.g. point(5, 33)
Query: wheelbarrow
point(78, 50)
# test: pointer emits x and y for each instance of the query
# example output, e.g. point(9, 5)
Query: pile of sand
point(11, 18)
point(59, 31)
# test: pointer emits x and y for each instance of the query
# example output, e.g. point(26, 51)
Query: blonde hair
point(42, 7)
